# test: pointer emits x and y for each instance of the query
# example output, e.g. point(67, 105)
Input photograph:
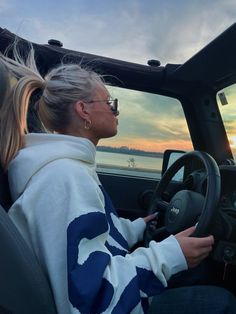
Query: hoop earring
point(87, 124)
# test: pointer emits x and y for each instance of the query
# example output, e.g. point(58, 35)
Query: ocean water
point(129, 164)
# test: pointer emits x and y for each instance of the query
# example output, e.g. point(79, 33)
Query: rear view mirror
point(169, 157)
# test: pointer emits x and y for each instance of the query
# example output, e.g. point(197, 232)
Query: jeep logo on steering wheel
point(175, 210)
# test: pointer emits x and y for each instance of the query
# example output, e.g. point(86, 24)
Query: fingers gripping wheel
point(186, 208)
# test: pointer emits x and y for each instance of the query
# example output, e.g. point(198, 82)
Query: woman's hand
point(150, 217)
point(194, 249)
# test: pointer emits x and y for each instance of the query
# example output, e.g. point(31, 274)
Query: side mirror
point(169, 157)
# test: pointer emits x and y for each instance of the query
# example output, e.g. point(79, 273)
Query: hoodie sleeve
point(133, 230)
point(69, 212)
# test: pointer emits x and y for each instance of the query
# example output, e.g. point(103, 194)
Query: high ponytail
point(62, 88)
point(22, 79)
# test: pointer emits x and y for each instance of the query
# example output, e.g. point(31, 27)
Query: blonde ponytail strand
point(22, 82)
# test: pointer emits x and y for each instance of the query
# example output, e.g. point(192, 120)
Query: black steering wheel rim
point(212, 191)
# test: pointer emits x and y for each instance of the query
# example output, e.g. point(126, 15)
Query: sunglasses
point(112, 103)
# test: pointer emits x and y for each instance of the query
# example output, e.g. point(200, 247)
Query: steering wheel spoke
point(160, 234)
point(158, 205)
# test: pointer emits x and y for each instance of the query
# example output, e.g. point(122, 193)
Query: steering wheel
point(186, 208)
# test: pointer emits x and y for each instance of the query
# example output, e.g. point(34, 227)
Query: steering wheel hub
point(183, 210)
point(174, 211)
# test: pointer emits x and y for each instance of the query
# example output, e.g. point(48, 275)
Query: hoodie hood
point(41, 149)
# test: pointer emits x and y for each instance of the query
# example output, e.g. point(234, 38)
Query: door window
point(148, 125)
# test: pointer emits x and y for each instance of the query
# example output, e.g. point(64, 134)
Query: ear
point(81, 110)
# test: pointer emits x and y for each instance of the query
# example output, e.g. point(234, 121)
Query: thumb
point(187, 232)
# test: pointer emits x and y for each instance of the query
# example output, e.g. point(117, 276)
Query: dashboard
point(228, 188)
point(224, 224)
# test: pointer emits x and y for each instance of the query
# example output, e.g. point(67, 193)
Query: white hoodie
point(65, 215)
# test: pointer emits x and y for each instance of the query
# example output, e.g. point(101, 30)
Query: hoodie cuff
point(173, 254)
point(139, 226)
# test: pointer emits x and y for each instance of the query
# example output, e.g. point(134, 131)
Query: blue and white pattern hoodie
point(64, 214)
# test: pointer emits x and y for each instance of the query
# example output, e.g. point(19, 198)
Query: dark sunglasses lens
point(114, 105)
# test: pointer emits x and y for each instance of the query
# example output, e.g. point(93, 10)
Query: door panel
point(128, 193)
point(131, 195)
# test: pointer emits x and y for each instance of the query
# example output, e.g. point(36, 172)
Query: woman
point(61, 208)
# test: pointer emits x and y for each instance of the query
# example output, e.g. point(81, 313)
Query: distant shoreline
point(128, 151)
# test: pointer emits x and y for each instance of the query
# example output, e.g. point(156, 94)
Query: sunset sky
point(133, 30)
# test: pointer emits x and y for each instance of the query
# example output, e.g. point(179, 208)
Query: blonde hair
point(65, 85)
point(61, 88)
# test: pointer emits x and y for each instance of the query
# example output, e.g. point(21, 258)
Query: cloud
point(130, 30)
point(144, 122)
point(5, 5)
point(186, 27)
